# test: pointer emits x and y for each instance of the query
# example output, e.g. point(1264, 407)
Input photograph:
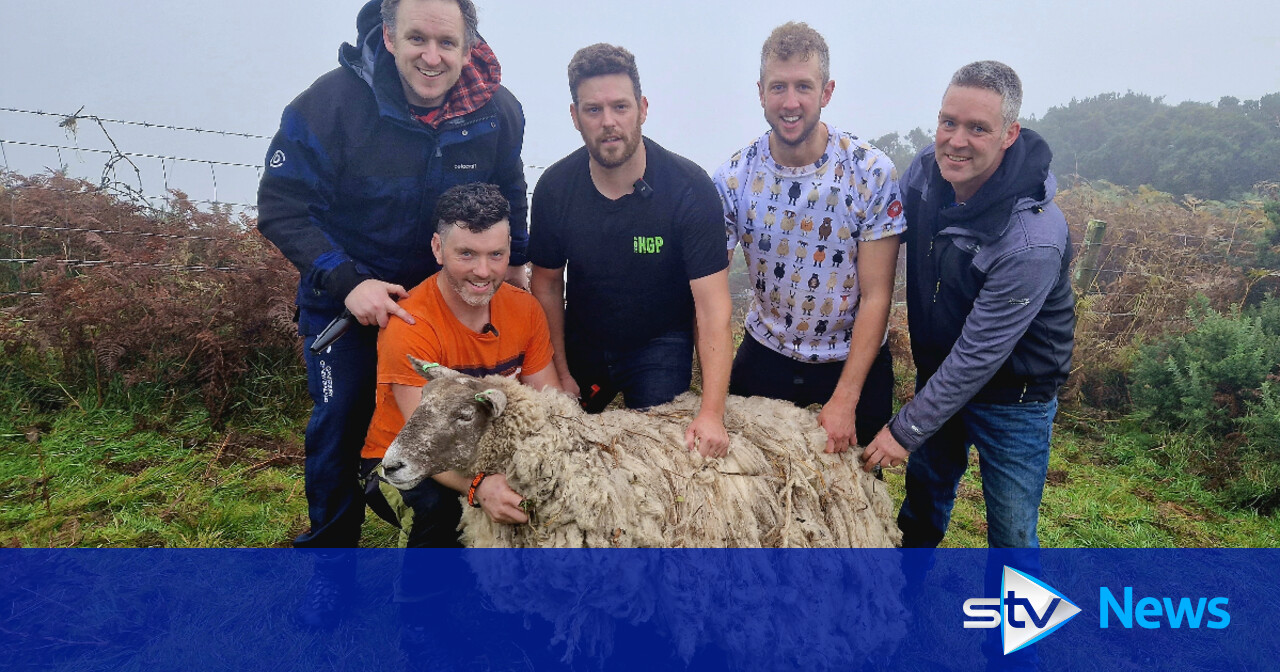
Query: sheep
point(624, 478)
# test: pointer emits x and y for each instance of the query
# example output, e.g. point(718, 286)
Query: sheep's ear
point(431, 370)
point(495, 399)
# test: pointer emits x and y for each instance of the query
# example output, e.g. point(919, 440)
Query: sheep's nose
point(390, 467)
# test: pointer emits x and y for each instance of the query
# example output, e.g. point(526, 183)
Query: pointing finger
point(402, 314)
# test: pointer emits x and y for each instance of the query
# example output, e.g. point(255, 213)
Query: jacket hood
point(1022, 181)
point(362, 57)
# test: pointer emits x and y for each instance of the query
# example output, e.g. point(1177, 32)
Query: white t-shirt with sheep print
point(799, 229)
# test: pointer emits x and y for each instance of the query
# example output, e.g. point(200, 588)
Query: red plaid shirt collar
point(476, 85)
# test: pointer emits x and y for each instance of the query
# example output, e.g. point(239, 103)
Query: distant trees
point(903, 148)
point(1212, 151)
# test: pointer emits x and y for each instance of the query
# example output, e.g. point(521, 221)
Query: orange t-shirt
point(521, 347)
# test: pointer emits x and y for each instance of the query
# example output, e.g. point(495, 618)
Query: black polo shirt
point(629, 260)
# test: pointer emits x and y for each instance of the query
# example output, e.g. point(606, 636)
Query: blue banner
point(700, 610)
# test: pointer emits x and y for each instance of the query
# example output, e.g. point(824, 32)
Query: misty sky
point(232, 65)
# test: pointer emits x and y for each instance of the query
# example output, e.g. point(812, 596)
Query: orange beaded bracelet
point(471, 492)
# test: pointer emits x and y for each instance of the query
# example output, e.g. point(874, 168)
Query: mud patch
point(130, 468)
point(258, 451)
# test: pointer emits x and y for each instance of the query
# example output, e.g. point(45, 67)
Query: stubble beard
point(805, 133)
point(463, 290)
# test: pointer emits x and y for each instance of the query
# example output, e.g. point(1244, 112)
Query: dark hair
point(796, 40)
point(472, 24)
point(993, 76)
point(475, 207)
point(602, 59)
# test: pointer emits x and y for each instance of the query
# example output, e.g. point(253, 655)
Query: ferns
point(181, 298)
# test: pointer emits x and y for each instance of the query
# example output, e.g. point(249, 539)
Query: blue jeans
point(1012, 441)
point(342, 382)
point(651, 374)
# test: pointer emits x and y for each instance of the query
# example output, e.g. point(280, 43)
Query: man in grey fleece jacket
point(990, 311)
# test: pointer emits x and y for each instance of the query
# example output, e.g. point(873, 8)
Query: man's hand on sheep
point(707, 435)
point(839, 419)
point(500, 501)
point(884, 450)
point(569, 385)
point(374, 301)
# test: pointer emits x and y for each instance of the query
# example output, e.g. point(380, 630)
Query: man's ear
point(388, 39)
point(573, 114)
point(1011, 135)
point(827, 89)
point(644, 109)
point(437, 248)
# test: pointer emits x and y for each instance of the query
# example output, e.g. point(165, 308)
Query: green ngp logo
point(647, 244)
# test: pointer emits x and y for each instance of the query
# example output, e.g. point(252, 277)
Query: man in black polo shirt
point(640, 230)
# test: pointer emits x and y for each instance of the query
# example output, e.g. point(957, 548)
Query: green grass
point(78, 474)
point(1117, 487)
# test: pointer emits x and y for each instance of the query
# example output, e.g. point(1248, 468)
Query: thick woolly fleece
point(624, 478)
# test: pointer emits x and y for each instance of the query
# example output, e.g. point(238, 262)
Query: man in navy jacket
point(350, 185)
point(991, 314)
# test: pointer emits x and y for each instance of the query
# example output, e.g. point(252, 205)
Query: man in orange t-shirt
point(468, 319)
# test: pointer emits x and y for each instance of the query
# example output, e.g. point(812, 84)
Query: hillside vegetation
point(153, 393)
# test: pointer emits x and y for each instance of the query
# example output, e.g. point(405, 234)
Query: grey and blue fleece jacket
point(989, 299)
point(351, 178)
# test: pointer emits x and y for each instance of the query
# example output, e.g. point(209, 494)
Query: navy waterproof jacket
point(989, 299)
point(351, 179)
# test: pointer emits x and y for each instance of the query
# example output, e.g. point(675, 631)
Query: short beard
point(460, 289)
point(628, 151)
point(804, 134)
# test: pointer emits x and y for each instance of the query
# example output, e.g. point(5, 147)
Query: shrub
point(182, 299)
point(1159, 253)
point(1269, 248)
point(1213, 378)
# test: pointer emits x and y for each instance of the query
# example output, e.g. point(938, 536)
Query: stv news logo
point(1027, 610)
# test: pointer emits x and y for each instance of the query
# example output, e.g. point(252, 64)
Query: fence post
point(1087, 266)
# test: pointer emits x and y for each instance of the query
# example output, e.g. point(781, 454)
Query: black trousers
point(761, 372)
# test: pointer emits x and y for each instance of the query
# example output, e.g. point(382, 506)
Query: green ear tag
point(427, 366)
point(482, 398)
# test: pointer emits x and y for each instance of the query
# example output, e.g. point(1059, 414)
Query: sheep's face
point(444, 430)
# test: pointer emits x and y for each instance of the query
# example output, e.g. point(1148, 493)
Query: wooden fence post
point(1087, 265)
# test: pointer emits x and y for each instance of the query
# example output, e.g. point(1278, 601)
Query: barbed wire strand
point(171, 127)
point(133, 154)
point(146, 124)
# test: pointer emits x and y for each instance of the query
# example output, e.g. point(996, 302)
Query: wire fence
point(130, 183)
point(71, 213)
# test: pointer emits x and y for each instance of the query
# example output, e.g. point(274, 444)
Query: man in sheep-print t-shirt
point(818, 215)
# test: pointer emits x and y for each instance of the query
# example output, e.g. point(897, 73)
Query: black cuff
point(341, 280)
